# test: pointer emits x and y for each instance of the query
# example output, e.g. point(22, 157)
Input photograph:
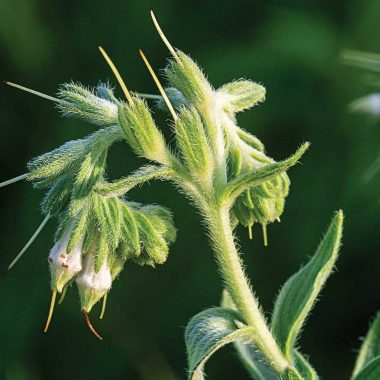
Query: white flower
point(93, 285)
point(63, 265)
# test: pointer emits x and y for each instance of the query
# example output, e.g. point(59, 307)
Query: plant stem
point(236, 282)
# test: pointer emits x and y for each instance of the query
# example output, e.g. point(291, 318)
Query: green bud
point(86, 104)
point(188, 79)
point(264, 203)
point(193, 145)
point(141, 132)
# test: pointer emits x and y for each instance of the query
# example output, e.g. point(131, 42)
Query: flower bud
point(186, 76)
point(264, 203)
point(79, 102)
point(63, 265)
point(141, 132)
point(93, 285)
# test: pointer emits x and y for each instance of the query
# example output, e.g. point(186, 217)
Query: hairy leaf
point(300, 292)
point(371, 371)
point(248, 180)
point(252, 359)
point(254, 362)
point(241, 94)
point(370, 347)
point(304, 367)
point(207, 332)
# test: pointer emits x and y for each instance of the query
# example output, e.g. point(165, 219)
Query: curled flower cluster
point(96, 234)
point(265, 202)
point(213, 161)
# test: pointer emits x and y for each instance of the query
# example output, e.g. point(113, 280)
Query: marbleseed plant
point(226, 173)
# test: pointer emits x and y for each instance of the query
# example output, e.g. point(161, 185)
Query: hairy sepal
point(193, 145)
point(141, 132)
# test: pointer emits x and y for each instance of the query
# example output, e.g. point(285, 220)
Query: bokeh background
point(293, 48)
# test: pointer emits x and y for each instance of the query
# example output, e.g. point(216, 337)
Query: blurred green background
point(292, 47)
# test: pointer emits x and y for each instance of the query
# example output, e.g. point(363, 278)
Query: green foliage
point(222, 168)
point(298, 295)
point(371, 371)
point(370, 348)
point(241, 95)
point(207, 332)
point(304, 367)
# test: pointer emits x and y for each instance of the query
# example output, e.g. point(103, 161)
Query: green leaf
point(370, 372)
point(304, 367)
point(241, 95)
point(207, 332)
point(254, 362)
point(143, 174)
point(300, 292)
point(252, 179)
point(370, 347)
point(252, 359)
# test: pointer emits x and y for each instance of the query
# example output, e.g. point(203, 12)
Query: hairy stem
point(236, 282)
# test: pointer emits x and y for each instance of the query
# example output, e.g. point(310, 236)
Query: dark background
point(293, 48)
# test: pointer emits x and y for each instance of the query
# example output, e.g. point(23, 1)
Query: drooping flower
point(64, 265)
point(92, 284)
